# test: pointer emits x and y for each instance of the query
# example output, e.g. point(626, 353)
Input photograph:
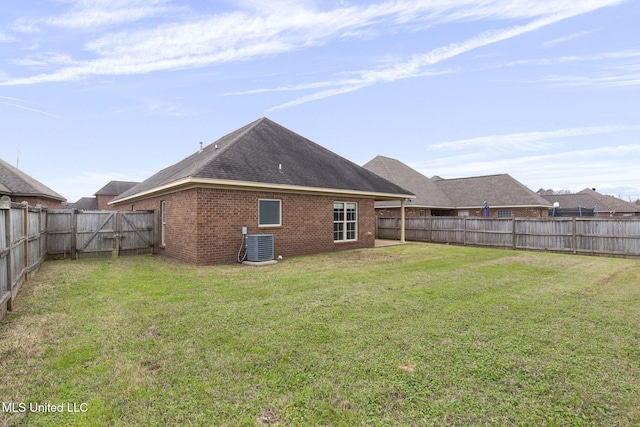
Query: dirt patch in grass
point(268, 416)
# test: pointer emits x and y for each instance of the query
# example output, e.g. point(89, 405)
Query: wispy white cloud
point(620, 55)
point(241, 35)
point(526, 140)
point(564, 39)
point(616, 79)
point(615, 163)
point(418, 63)
point(47, 59)
point(19, 103)
point(4, 38)
point(89, 14)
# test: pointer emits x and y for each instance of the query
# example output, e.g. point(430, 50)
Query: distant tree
point(551, 192)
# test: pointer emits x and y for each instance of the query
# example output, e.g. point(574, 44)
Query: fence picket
point(28, 235)
point(593, 236)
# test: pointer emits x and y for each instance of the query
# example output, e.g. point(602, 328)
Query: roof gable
point(496, 190)
point(428, 194)
point(268, 153)
point(113, 188)
point(17, 183)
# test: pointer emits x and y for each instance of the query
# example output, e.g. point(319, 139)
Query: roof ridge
point(474, 177)
point(219, 150)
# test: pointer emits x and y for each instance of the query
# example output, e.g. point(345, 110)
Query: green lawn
point(406, 335)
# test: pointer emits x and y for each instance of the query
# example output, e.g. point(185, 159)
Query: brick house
point(24, 188)
point(111, 191)
point(503, 195)
point(270, 180)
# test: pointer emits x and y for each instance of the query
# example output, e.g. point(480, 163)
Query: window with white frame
point(345, 221)
point(504, 213)
point(269, 212)
point(163, 220)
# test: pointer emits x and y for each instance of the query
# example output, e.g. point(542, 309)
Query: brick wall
point(204, 224)
point(35, 201)
point(103, 202)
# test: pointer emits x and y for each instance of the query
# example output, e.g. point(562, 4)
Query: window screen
point(269, 212)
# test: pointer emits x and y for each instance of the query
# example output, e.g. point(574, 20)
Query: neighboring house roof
point(497, 190)
point(113, 188)
point(427, 192)
point(590, 199)
point(86, 204)
point(461, 193)
point(264, 154)
point(14, 182)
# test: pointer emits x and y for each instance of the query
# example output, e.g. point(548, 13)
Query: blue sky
point(547, 91)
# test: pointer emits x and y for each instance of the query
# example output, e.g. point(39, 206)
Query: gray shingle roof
point(497, 190)
point(427, 192)
point(254, 154)
point(113, 188)
point(86, 204)
point(14, 182)
point(588, 198)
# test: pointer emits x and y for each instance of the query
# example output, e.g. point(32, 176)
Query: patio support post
point(402, 225)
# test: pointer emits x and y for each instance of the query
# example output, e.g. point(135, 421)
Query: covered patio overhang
point(403, 202)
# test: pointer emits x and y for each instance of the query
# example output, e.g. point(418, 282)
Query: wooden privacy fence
point(589, 236)
point(95, 234)
point(22, 247)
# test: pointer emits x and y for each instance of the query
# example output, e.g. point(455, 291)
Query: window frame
point(279, 224)
point(345, 221)
point(502, 213)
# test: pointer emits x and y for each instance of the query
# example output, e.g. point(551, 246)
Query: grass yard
point(398, 336)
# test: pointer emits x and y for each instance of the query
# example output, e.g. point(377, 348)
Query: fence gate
point(98, 234)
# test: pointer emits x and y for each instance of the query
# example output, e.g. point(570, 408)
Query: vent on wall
point(259, 247)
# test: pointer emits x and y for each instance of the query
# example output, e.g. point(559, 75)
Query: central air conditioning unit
point(259, 247)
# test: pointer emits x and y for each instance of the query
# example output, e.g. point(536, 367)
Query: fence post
point(574, 238)
point(430, 229)
point(5, 209)
point(156, 231)
point(464, 230)
point(402, 222)
point(74, 234)
point(117, 236)
point(513, 233)
point(25, 230)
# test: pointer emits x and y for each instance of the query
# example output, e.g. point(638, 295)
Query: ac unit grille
point(259, 247)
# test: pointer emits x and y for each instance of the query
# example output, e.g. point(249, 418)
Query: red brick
point(204, 224)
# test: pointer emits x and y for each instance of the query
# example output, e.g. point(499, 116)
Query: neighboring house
point(85, 204)
point(103, 196)
point(111, 191)
point(600, 204)
point(23, 188)
point(270, 180)
point(504, 195)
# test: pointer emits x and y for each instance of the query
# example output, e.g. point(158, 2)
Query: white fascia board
point(191, 182)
